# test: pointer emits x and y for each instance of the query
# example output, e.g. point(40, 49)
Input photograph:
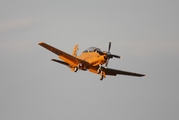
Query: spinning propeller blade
point(116, 56)
point(109, 48)
point(109, 55)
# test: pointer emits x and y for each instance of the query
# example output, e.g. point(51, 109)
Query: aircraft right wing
point(114, 72)
point(109, 71)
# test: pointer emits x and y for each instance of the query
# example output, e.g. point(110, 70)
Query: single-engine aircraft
point(91, 59)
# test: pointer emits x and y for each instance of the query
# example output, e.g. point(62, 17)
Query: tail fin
point(75, 50)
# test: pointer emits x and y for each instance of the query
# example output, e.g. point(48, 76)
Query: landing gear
point(99, 69)
point(75, 69)
point(101, 77)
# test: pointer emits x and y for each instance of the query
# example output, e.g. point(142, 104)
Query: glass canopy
point(92, 49)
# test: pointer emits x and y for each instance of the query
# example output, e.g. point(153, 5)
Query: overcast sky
point(144, 32)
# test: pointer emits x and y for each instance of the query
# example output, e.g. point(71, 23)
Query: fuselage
point(93, 58)
point(91, 55)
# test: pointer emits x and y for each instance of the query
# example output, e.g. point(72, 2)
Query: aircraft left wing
point(109, 71)
point(67, 56)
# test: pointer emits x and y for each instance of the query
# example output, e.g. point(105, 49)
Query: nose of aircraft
point(109, 55)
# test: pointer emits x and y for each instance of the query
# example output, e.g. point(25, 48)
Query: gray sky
point(144, 33)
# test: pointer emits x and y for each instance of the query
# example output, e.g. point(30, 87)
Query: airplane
point(91, 59)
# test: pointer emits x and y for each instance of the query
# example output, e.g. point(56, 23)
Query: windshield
point(92, 49)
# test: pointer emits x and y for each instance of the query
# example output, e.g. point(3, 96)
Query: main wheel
point(101, 77)
point(75, 69)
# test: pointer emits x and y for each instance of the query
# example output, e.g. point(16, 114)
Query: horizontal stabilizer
point(61, 62)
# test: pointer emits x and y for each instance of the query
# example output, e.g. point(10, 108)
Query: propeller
point(109, 48)
point(109, 55)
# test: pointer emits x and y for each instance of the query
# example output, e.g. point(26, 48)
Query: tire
point(101, 77)
point(75, 69)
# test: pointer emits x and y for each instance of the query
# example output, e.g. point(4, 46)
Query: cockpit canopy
point(92, 49)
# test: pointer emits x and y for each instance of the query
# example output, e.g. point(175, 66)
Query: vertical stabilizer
point(75, 50)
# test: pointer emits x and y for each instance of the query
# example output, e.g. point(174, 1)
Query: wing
point(65, 55)
point(114, 72)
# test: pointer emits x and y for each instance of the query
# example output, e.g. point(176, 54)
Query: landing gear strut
point(101, 75)
point(99, 69)
point(77, 67)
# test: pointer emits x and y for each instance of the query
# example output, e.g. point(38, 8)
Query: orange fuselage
point(93, 58)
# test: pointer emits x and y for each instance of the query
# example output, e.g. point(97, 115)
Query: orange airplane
point(91, 59)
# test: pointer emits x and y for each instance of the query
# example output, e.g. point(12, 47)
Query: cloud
point(16, 24)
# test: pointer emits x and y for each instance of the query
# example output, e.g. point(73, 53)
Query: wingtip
point(40, 43)
point(143, 75)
